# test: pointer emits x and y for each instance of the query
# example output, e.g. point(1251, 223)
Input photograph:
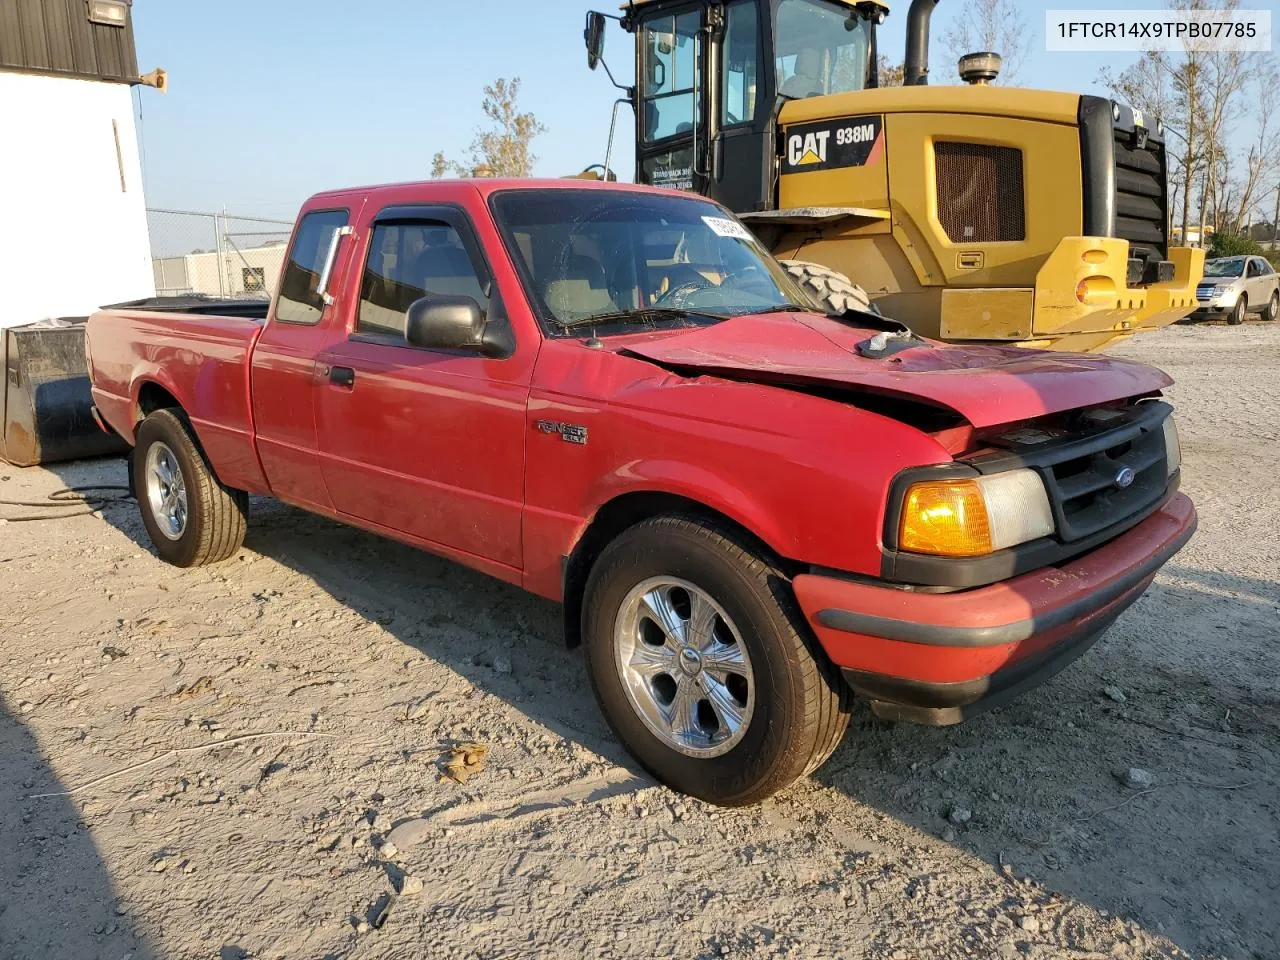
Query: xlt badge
point(569, 432)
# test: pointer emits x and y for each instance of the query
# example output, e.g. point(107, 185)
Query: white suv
point(1234, 286)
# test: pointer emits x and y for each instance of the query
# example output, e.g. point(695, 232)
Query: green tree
point(1234, 245)
point(503, 149)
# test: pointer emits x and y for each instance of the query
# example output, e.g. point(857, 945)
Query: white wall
point(70, 238)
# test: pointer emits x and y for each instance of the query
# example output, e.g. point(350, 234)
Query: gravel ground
point(245, 760)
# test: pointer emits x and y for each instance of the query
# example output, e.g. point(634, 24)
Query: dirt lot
point(244, 760)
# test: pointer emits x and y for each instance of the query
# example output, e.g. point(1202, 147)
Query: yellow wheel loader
point(972, 213)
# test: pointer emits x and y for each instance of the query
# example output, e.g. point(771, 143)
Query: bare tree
point(504, 149)
point(1261, 167)
point(991, 25)
point(888, 74)
point(1203, 97)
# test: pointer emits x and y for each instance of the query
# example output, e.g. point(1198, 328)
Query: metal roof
point(55, 37)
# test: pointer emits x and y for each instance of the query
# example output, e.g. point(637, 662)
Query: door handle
point(342, 376)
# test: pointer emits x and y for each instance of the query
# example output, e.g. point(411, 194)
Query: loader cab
point(710, 78)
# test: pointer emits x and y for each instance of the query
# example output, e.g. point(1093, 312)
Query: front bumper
point(940, 658)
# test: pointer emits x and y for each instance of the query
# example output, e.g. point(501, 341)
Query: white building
point(75, 226)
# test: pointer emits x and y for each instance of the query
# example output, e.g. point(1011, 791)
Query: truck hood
point(987, 385)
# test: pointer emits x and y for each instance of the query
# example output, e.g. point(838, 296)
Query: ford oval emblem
point(1124, 478)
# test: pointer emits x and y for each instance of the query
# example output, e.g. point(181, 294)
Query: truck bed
point(194, 348)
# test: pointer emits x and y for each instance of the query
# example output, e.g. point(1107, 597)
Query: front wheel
point(703, 665)
point(829, 289)
point(1273, 306)
point(191, 517)
point(1236, 316)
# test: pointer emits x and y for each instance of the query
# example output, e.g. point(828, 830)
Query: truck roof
point(490, 185)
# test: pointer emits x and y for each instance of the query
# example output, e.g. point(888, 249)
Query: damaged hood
point(987, 385)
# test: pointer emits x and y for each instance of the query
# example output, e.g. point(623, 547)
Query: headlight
point(1172, 448)
point(972, 517)
point(1221, 291)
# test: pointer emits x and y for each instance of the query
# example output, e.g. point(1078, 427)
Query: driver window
point(741, 57)
point(409, 261)
point(670, 82)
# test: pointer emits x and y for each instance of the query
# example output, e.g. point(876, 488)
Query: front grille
point(1081, 475)
point(1204, 291)
point(1141, 197)
point(979, 189)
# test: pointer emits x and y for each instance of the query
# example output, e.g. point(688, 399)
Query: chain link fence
point(216, 254)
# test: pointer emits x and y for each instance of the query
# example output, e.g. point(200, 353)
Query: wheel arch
point(623, 512)
point(151, 395)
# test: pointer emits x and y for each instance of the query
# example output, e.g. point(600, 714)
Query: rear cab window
point(299, 300)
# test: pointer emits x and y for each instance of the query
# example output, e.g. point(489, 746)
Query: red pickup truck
point(614, 397)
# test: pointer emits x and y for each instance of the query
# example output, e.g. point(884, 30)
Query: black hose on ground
point(81, 500)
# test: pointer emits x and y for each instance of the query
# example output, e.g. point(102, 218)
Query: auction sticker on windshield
point(724, 227)
point(828, 144)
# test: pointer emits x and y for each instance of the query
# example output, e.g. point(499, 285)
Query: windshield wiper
point(783, 308)
point(643, 315)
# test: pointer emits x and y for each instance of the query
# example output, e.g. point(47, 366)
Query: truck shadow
point(56, 896)
point(1196, 857)
point(1186, 859)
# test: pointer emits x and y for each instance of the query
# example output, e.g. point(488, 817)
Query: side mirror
point(441, 322)
point(594, 35)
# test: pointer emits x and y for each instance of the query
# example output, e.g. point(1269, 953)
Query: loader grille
point(1141, 196)
point(979, 188)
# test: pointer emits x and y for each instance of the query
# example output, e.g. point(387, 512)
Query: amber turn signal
point(946, 518)
point(972, 517)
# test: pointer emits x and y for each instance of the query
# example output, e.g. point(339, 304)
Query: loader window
point(671, 55)
point(821, 49)
point(741, 63)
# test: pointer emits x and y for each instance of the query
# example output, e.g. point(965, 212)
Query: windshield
point(821, 49)
point(1230, 267)
point(638, 258)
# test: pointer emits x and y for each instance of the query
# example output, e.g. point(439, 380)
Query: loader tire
point(830, 289)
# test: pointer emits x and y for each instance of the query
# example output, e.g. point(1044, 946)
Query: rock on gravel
point(1114, 693)
point(1135, 778)
point(960, 815)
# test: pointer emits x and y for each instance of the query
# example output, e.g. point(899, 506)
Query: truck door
point(282, 376)
point(425, 442)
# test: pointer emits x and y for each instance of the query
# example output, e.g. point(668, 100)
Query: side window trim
point(457, 218)
point(289, 259)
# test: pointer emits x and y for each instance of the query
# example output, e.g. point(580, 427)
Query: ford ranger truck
point(613, 397)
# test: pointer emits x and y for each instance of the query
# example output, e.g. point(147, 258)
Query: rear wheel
point(703, 665)
point(191, 517)
point(831, 289)
point(1236, 316)
point(1273, 306)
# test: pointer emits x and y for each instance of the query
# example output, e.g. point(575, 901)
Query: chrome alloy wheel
point(166, 490)
point(684, 667)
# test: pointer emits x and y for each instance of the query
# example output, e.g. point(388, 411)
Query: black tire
point(1236, 316)
point(830, 289)
point(216, 515)
point(1273, 307)
point(801, 704)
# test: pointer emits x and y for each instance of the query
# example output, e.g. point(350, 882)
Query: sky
point(269, 102)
